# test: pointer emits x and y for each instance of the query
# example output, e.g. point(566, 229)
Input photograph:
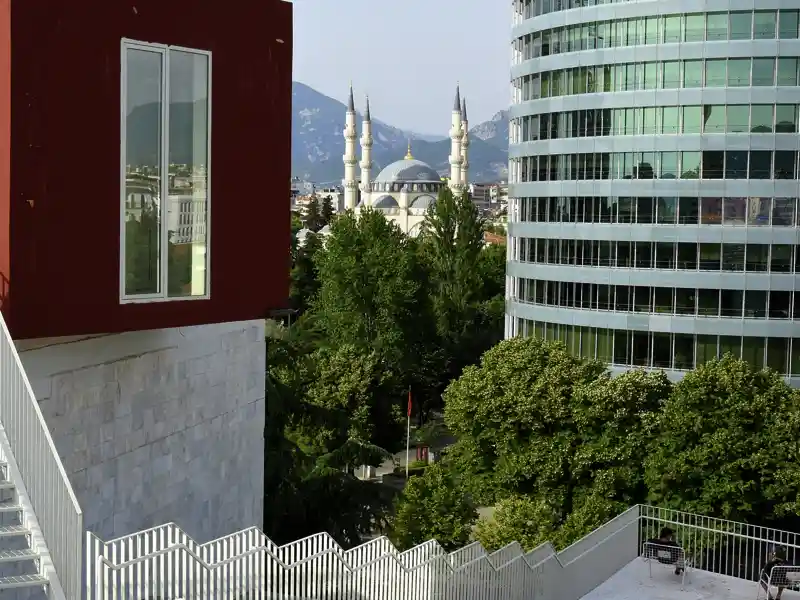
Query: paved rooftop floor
point(633, 582)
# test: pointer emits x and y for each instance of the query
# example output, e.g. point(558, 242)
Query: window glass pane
point(736, 168)
point(715, 73)
point(694, 30)
point(764, 71)
point(670, 119)
point(739, 72)
point(714, 119)
point(649, 126)
point(786, 118)
point(717, 26)
point(764, 24)
point(651, 30)
point(692, 119)
point(710, 213)
point(741, 25)
point(785, 161)
point(690, 165)
point(761, 118)
point(713, 164)
point(672, 29)
point(729, 344)
point(188, 164)
point(693, 73)
point(760, 164)
point(738, 117)
point(143, 165)
point(787, 71)
point(669, 165)
point(672, 75)
point(788, 21)
point(783, 212)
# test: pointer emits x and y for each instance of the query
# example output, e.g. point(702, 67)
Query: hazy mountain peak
point(318, 144)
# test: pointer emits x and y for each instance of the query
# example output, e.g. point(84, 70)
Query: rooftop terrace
point(633, 582)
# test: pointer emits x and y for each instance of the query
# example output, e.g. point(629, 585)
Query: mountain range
point(318, 144)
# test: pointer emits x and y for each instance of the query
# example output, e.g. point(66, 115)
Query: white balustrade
point(47, 487)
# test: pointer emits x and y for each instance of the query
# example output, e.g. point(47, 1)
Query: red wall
point(60, 203)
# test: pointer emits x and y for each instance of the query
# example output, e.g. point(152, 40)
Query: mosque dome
point(385, 201)
point(408, 170)
point(424, 202)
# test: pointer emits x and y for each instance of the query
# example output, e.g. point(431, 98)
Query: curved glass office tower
point(654, 180)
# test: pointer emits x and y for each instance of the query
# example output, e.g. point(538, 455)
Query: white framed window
point(165, 172)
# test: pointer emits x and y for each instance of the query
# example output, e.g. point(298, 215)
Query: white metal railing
point(54, 504)
point(165, 562)
point(718, 545)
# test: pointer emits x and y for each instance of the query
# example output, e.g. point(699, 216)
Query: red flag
point(409, 402)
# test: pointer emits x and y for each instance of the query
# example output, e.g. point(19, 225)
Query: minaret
point(456, 136)
point(349, 182)
point(366, 155)
point(464, 145)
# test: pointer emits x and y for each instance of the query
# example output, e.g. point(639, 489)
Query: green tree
point(453, 241)
point(535, 420)
point(433, 506)
point(492, 270)
point(142, 252)
point(327, 212)
point(528, 520)
point(304, 280)
point(370, 289)
point(465, 317)
point(512, 417)
point(313, 214)
point(727, 445)
point(308, 489)
point(359, 383)
point(534, 520)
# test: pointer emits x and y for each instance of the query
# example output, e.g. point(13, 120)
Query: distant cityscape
point(491, 198)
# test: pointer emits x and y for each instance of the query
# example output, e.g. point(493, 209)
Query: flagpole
point(408, 432)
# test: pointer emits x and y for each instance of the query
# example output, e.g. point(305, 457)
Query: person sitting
point(667, 539)
point(776, 559)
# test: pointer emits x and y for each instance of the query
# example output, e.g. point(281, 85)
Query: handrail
point(49, 491)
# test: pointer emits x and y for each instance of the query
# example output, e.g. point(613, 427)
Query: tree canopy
point(726, 445)
point(433, 506)
point(370, 290)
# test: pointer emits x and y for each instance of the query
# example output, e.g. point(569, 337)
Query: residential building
point(653, 182)
point(132, 335)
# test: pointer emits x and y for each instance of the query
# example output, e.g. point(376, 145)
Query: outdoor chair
point(780, 576)
point(673, 557)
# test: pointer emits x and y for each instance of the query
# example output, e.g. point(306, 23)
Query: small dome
point(408, 170)
point(303, 233)
point(385, 201)
point(424, 202)
point(325, 230)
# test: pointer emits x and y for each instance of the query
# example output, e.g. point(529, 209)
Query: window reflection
point(142, 210)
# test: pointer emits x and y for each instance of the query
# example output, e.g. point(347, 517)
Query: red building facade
point(143, 149)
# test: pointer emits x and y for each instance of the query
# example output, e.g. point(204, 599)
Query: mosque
point(405, 189)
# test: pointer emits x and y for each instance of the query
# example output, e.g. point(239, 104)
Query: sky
point(408, 56)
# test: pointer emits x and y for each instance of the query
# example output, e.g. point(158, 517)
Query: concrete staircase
point(20, 565)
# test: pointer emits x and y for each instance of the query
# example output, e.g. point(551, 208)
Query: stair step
point(11, 530)
point(17, 555)
point(21, 581)
point(10, 506)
